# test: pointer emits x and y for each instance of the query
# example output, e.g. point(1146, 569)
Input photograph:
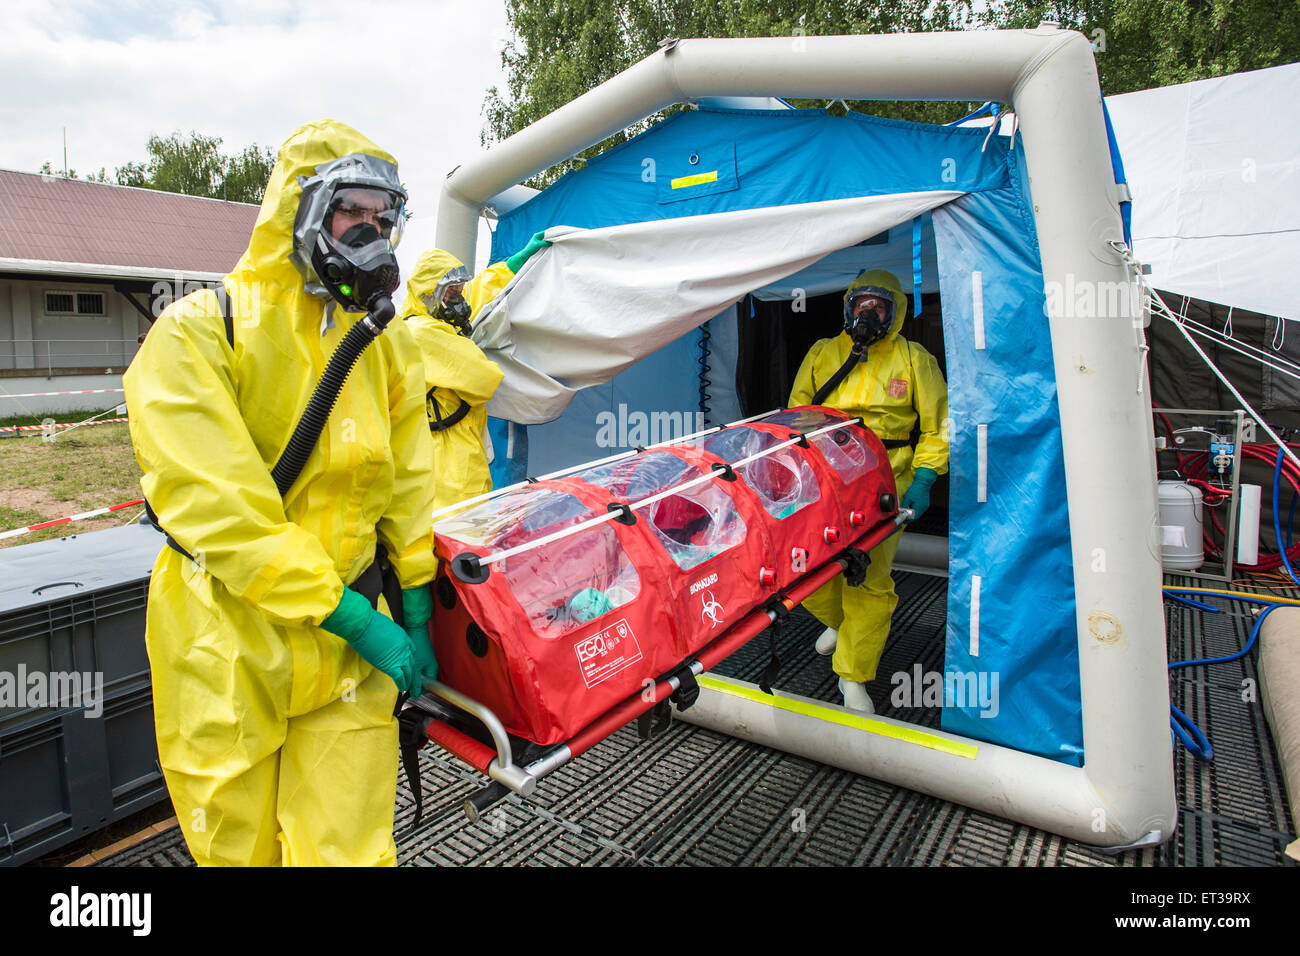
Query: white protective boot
point(826, 642)
point(856, 696)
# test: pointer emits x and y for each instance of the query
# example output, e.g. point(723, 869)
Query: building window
point(74, 303)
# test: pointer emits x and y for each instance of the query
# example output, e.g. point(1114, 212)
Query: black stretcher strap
point(781, 614)
point(855, 571)
point(410, 738)
point(381, 578)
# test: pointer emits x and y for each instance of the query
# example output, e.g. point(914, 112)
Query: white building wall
point(32, 338)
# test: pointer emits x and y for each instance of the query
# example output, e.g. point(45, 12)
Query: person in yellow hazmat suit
point(895, 385)
point(441, 304)
point(275, 667)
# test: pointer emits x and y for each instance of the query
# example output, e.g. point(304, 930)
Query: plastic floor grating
point(695, 798)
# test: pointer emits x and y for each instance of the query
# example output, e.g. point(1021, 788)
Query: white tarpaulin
point(598, 300)
point(1214, 168)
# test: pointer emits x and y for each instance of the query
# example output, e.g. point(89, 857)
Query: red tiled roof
point(66, 220)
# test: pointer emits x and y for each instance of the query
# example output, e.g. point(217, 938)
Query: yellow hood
point(432, 265)
point(883, 279)
point(270, 254)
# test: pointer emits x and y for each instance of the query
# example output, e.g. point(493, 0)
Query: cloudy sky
point(410, 75)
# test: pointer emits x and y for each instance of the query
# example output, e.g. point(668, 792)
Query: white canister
point(1182, 544)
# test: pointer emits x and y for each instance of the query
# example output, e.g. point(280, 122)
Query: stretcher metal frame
point(446, 706)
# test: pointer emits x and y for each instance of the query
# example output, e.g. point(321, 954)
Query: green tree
point(99, 177)
point(1141, 44)
point(246, 174)
point(559, 51)
point(197, 167)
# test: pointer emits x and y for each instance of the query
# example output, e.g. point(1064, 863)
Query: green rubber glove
point(917, 496)
point(379, 641)
point(535, 244)
point(417, 608)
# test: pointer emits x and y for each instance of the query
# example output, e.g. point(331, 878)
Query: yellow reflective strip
point(905, 734)
point(695, 180)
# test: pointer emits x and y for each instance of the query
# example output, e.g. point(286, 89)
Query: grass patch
point(79, 415)
point(82, 470)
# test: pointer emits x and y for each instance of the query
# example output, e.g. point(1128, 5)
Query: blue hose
point(1190, 603)
point(1183, 727)
point(1277, 518)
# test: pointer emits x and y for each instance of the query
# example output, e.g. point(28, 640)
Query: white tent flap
point(1215, 178)
point(598, 300)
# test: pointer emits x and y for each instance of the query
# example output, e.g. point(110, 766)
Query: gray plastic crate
point(67, 775)
point(75, 605)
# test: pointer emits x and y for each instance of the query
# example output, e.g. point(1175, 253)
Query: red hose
point(1198, 465)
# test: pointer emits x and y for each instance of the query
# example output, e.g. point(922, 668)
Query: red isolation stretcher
point(568, 606)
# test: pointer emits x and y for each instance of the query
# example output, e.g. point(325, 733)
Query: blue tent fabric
point(837, 157)
point(1017, 541)
point(868, 156)
point(1117, 164)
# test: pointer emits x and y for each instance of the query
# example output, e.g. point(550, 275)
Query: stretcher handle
point(465, 747)
point(477, 803)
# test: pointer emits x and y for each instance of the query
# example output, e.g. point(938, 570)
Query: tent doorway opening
point(774, 332)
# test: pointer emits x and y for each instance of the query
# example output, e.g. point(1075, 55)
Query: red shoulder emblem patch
point(898, 388)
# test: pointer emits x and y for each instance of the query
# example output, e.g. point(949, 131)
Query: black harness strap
point(834, 381)
point(438, 423)
point(224, 300)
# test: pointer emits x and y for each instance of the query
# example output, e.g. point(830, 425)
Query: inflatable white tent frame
point(1123, 795)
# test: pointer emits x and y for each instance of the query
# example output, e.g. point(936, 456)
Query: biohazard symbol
point(713, 611)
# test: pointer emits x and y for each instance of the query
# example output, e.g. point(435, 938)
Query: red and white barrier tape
point(84, 391)
point(57, 521)
point(41, 428)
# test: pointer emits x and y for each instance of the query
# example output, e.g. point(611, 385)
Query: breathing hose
point(307, 432)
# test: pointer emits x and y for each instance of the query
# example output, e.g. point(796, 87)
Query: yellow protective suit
point(455, 371)
point(896, 383)
point(276, 739)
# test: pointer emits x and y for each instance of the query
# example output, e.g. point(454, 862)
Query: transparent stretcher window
point(694, 525)
point(783, 481)
point(845, 449)
point(560, 585)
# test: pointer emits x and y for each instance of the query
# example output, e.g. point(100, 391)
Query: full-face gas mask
point(350, 219)
point(868, 314)
point(448, 300)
